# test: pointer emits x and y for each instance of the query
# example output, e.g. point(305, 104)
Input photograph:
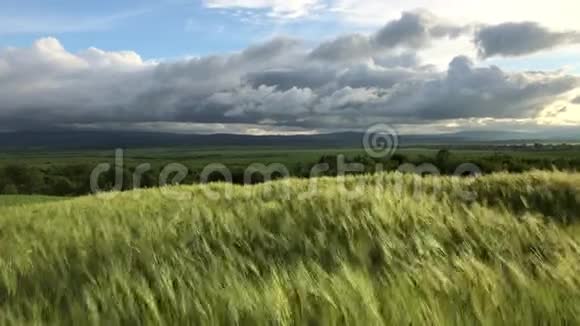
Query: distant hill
point(25, 140)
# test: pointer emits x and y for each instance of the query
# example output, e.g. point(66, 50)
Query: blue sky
point(154, 29)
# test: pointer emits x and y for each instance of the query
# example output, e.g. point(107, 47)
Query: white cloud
point(444, 50)
point(49, 80)
point(555, 14)
point(121, 59)
point(276, 8)
point(559, 14)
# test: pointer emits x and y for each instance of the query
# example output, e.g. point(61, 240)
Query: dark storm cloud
point(470, 92)
point(373, 93)
point(375, 76)
point(284, 79)
point(275, 48)
point(414, 30)
point(345, 48)
point(405, 60)
point(350, 82)
point(516, 39)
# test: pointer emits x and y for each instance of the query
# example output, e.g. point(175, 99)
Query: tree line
point(75, 179)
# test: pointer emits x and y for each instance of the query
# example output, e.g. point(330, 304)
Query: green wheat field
point(388, 249)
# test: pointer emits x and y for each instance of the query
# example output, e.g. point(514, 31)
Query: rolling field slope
point(387, 249)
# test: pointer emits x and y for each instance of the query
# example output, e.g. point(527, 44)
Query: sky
point(293, 66)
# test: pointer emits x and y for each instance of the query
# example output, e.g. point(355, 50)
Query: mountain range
point(66, 139)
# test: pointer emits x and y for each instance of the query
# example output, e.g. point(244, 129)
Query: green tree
point(62, 186)
point(10, 189)
point(26, 179)
point(443, 156)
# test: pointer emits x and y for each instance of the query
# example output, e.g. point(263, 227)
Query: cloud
point(413, 30)
point(556, 14)
point(344, 48)
point(416, 30)
point(287, 78)
point(576, 100)
point(196, 128)
point(281, 84)
point(276, 8)
point(467, 91)
point(517, 39)
point(272, 49)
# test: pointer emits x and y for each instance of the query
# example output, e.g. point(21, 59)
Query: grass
point(194, 158)
point(21, 200)
point(387, 249)
point(242, 157)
